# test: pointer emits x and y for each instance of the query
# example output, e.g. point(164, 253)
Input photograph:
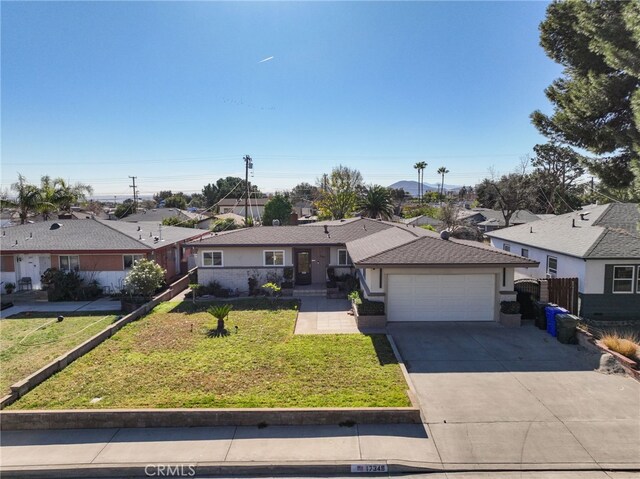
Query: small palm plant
point(220, 313)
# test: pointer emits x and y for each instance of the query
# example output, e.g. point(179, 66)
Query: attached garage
point(441, 297)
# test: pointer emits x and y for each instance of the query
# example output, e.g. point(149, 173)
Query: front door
point(303, 266)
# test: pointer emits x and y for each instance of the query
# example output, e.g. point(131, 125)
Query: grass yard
point(165, 360)
point(24, 348)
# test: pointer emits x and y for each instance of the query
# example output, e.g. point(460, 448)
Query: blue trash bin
point(551, 312)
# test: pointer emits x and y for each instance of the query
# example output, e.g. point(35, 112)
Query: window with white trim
point(129, 260)
point(623, 279)
point(525, 253)
point(212, 258)
point(552, 266)
point(343, 258)
point(69, 263)
point(506, 247)
point(638, 280)
point(273, 258)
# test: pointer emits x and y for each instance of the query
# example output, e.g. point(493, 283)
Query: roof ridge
point(416, 238)
point(602, 215)
point(598, 240)
point(483, 247)
point(104, 223)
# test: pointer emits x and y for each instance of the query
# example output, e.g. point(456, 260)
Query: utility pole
point(248, 163)
point(135, 200)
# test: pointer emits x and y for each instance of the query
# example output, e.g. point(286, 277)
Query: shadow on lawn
point(239, 304)
point(383, 349)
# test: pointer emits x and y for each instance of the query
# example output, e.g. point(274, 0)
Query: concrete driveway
point(494, 396)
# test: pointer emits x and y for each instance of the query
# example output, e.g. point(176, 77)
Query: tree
point(226, 224)
point(229, 187)
point(145, 278)
point(508, 194)
point(68, 195)
point(442, 171)
point(597, 101)
point(176, 201)
point(47, 202)
point(124, 209)
point(339, 198)
point(557, 168)
point(448, 214)
point(162, 195)
point(399, 197)
point(28, 197)
point(376, 203)
point(198, 200)
point(304, 192)
point(277, 208)
point(220, 313)
point(420, 166)
point(177, 221)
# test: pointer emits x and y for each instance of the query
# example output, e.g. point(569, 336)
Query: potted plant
point(9, 287)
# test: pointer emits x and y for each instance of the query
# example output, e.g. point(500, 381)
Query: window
point(638, 281)
point(552, 266)
point(623, 279)
point(525, 253)
point(212, 258)
point(506, 247)
point(69, 263)
point(343, 258)
point(130, 260)
point(274, 258)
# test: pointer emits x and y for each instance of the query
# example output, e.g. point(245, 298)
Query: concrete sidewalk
point(320, 315)
point(235, 450)
point(101, 304)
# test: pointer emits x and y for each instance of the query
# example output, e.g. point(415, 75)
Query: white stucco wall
point(568, 266)
point(111, 279)
point(8, 277)
point(248, 257)
point(595, 274)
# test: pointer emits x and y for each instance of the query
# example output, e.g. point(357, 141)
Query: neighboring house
point(488, 220)
point(421, 220)
point(160, 214)
point(419, 275)
point(100, 250)
point(599, 245)
point(205, 224)
point(233, 205)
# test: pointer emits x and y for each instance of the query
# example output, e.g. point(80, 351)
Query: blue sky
point(175, 94)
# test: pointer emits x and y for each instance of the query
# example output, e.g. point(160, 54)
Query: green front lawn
point(24, 348)
point(165, 360)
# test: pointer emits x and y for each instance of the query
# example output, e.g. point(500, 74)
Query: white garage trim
point(441, 297)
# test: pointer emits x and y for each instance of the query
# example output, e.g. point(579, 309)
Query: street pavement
point(101, 304)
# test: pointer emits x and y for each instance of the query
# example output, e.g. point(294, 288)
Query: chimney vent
point(326, 229)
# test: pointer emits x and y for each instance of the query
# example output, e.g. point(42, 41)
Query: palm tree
point(67, 194)
point(376, 203)
point(48, 201)
point(420, 166)
point(28, 197)
point(442, 171)
point(220, 313)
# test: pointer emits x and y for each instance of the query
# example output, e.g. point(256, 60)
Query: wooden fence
point(564, 293)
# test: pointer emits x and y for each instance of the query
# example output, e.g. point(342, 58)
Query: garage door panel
point(469, 297)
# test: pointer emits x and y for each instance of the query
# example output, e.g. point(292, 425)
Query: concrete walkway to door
point(320, 315)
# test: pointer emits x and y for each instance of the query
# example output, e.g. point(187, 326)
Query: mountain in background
point(412, 187)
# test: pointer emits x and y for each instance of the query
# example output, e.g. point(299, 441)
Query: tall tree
point(68, 194)
point(376, 203)
point(442, 171)
point(48, 200)
point(420, 166)
point(398, 196)
point(229, 187)
point(557, 168)
point(304, 192)
point(277, 208)
point(597, 101)
point(28, 197)
point(340, 195)
point(508, 194)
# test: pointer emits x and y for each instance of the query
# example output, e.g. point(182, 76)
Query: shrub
point(510, 307)
point(354, 296)
point(272, 289)
point(370, 308)
point(288, 273)
point(9, 287)
point(627, 346)
point(145, 278)
point(61, 285)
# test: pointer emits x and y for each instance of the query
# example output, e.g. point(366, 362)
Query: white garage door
point(453, 297)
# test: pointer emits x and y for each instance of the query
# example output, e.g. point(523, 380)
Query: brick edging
point(587, 340)
point(25, 385)
point(134, 418)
